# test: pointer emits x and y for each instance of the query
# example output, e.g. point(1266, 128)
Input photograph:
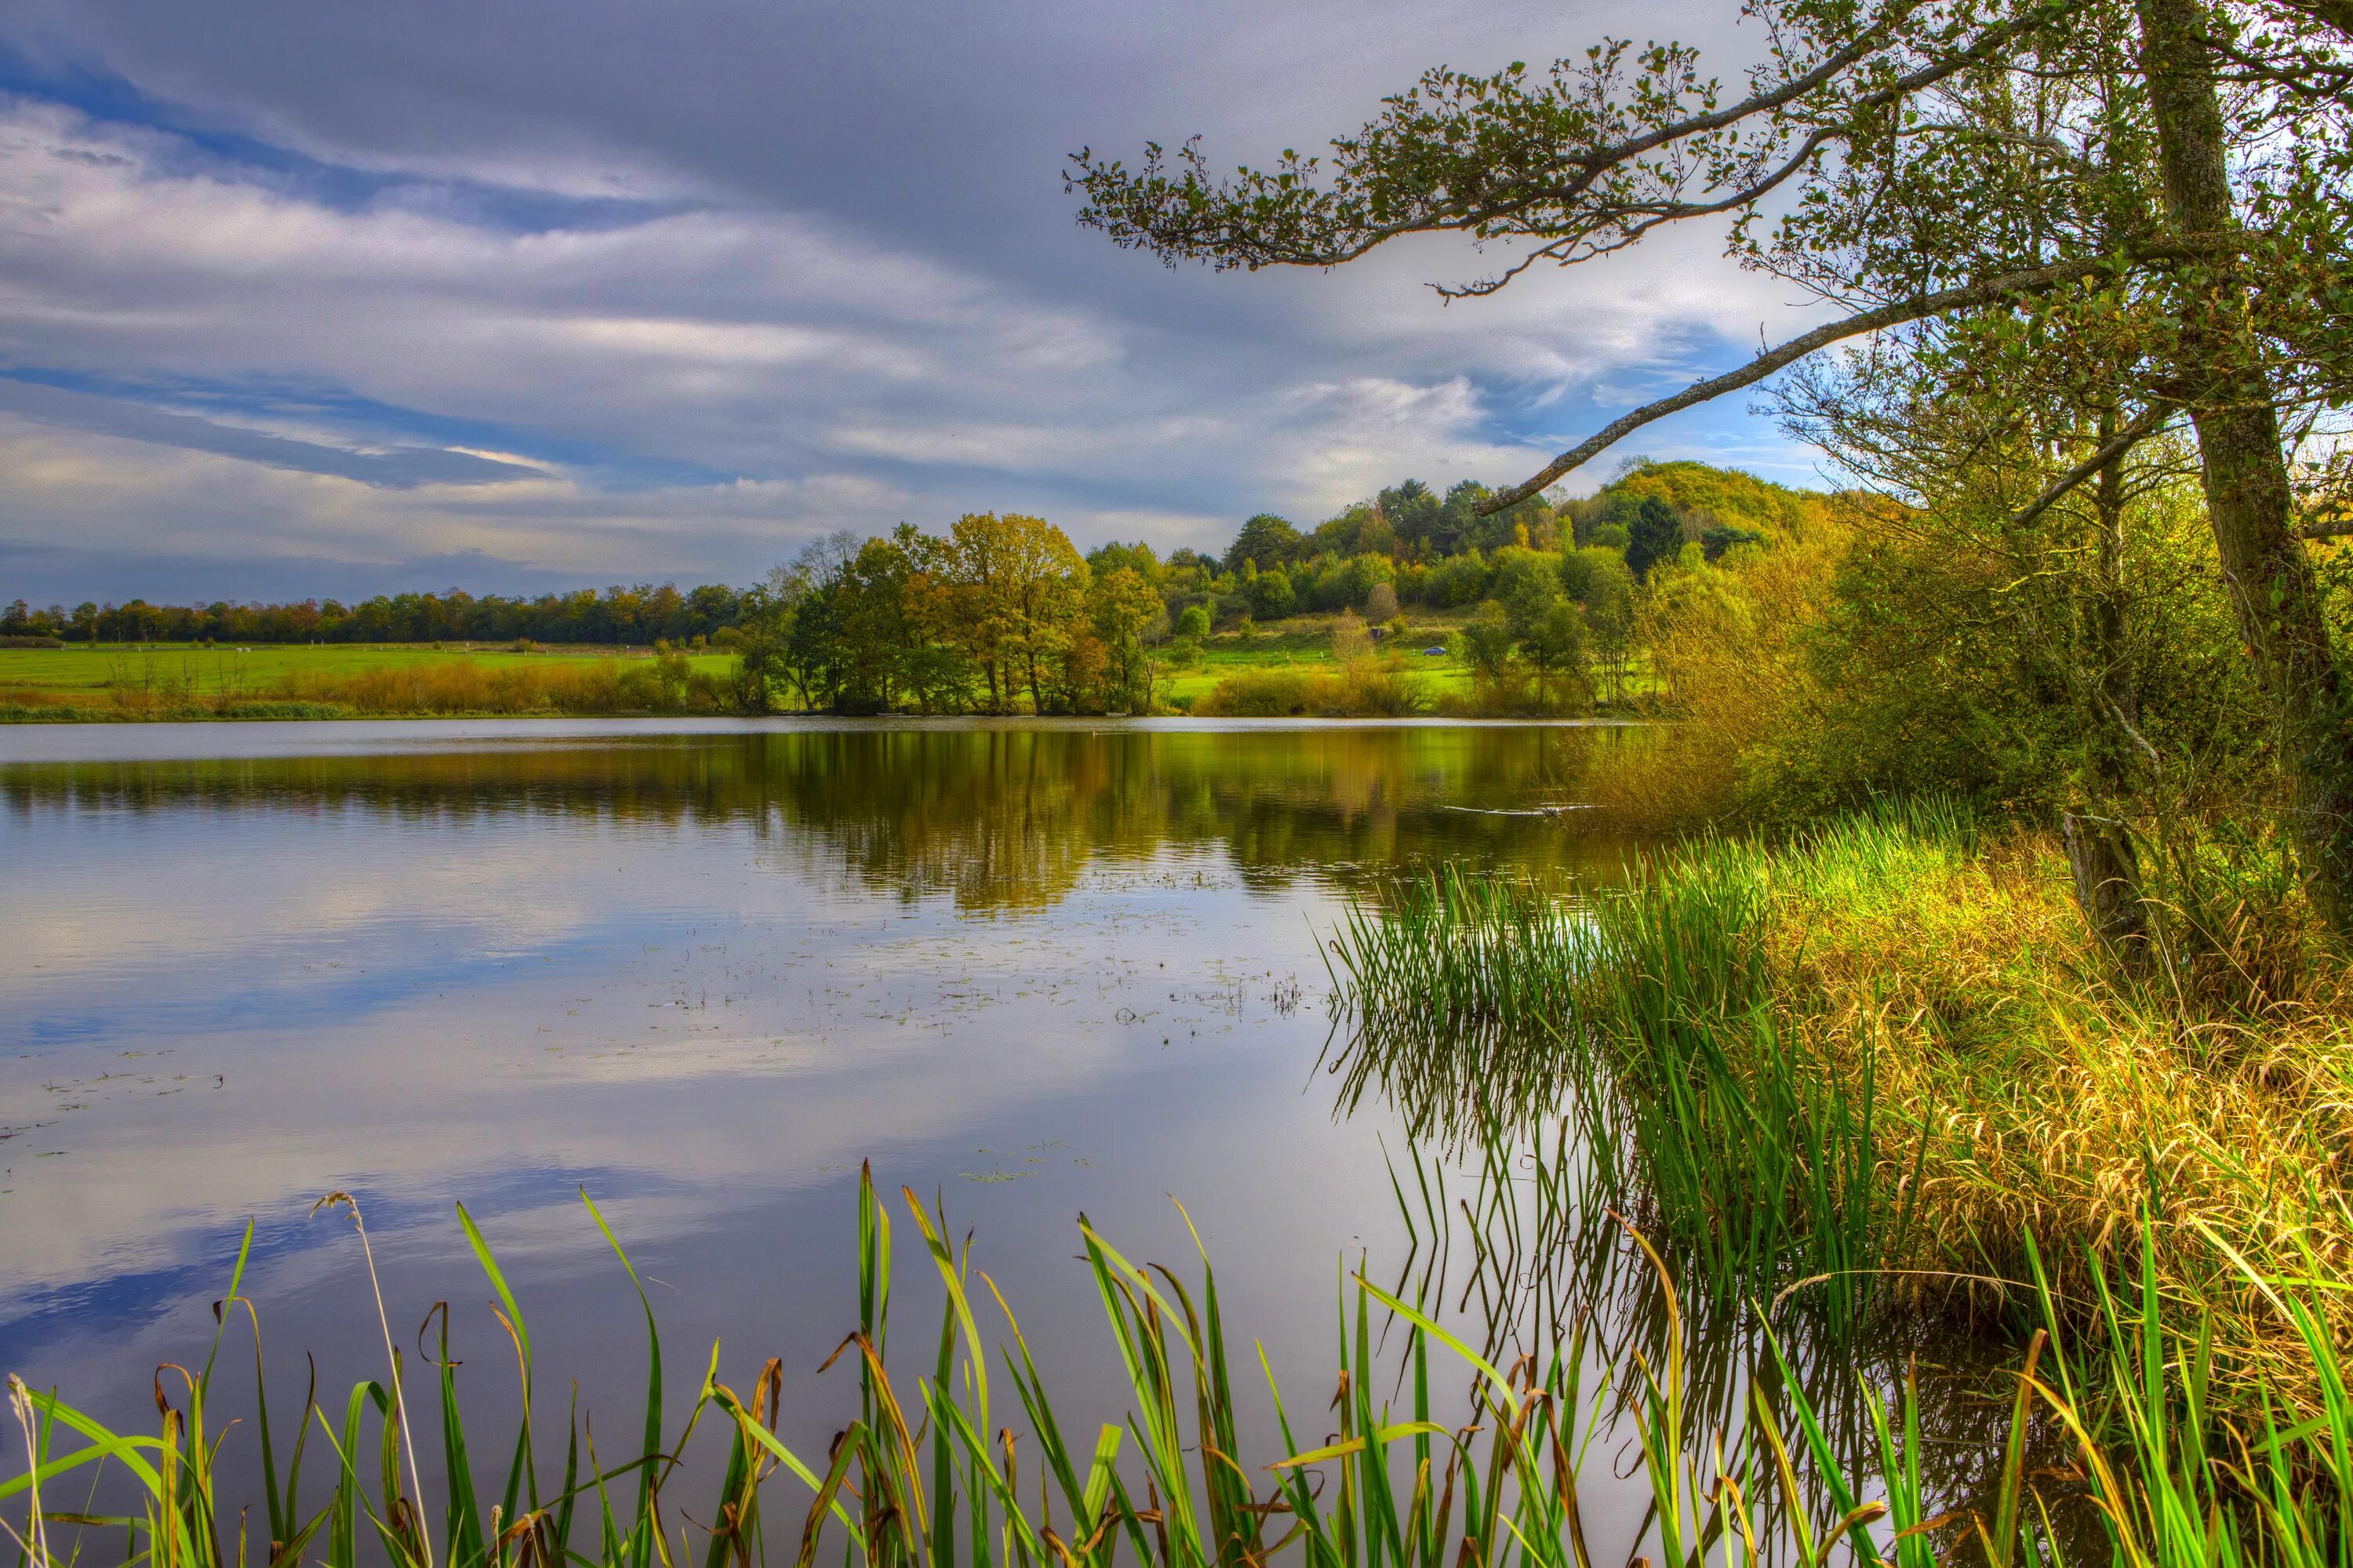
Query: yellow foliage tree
point(1019, 593)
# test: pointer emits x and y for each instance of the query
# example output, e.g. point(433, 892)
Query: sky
point(303, 298)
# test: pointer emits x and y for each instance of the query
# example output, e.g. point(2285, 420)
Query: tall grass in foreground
point(931, 1470)
point(1874, 1059)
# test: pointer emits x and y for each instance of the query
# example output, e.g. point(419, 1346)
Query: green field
point(1301, 641)
point(174, 680)
point(82, 667)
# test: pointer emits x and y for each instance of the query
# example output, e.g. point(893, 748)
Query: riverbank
point(1818, 1077)
point(1882, 1063)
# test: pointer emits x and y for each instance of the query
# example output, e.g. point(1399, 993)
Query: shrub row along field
point(149, 682)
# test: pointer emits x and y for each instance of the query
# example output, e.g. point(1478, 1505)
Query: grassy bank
point(951, 1459)
point(1882, 1063)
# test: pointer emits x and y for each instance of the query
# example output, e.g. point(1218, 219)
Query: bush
point(1270, 593)
point(1370, 689)
point(1458, 581)
point(1257, 694)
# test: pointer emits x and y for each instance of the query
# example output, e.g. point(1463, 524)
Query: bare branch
point(1985, 291)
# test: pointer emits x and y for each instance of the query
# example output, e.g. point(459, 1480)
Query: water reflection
point(998, 816)
point(1039, 969)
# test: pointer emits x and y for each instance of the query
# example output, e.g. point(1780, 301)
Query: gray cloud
point(397, 467)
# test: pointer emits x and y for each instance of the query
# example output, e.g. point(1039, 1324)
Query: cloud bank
point(541, 293)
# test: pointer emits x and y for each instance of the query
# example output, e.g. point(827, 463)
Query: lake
point(702, 971)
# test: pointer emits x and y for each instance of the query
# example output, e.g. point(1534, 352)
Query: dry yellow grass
point(2060, 1099)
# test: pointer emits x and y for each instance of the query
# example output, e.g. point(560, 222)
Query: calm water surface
point(702, 973)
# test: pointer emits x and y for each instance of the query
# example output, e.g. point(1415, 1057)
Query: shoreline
point(167, 740)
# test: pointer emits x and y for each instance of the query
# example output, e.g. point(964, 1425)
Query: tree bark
point(2099, 851)
point(2108, 883)
point(2248, 498)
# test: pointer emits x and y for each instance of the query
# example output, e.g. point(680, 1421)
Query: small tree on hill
point(1655, 535)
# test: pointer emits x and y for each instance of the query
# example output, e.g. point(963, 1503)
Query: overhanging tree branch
point(1985, 291)
point(1401, 174)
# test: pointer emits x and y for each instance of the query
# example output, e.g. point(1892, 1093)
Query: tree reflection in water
point(994, 816)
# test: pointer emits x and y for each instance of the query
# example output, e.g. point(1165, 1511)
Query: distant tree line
point(639, 615)
point(1004, 613)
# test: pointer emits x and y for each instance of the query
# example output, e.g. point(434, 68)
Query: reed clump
point(1484, 961)
point(1879, 1056)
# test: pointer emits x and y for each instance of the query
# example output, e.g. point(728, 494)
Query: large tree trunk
point(2108, 883)
point(2248, 499)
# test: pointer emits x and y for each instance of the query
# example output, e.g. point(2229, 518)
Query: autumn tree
point(1124, 608)
point(1021, 588)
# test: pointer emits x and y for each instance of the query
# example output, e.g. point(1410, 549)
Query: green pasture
point(260, 670)
point(1304, 642)
point(112, 666)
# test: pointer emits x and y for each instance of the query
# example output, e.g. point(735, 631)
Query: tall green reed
point(1414, 1479)
point(1646, 1013)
